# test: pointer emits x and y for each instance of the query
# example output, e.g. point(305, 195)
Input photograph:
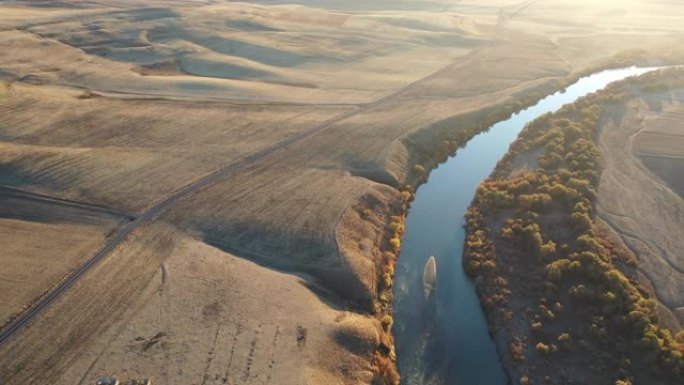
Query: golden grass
point(82, 119)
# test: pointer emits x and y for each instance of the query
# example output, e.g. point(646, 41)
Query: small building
point(111, 380)
point(144, 381)
point(107, 380)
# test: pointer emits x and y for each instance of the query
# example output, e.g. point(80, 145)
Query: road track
point(38, 197)
point(158, 208)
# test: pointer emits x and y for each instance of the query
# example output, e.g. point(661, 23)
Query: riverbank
point(563, 299)
point(434, 207)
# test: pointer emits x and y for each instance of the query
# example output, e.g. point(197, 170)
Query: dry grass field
point(642, 160)
point(660, 144)
point(32, 228)
point(267, 272)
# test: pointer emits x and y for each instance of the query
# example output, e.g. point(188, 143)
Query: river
point(444, 340)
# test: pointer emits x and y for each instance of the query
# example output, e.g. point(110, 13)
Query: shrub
point(406, 196)
point(587, 242)
point(556, 269)
point(517, 350)
point(388, 257)
point(581, 221)
point(385, 371)
point(679, 337)
point(542, 348)
point(395, 242)
point(533, 201)
point(387, 280)
point(550, 161)
point(564, 338)
point(548, 249)
point(387, 322)
point(397, 227)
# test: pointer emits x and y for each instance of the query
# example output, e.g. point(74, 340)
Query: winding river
point(444, 340)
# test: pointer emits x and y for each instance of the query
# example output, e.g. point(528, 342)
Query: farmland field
point(239, 166)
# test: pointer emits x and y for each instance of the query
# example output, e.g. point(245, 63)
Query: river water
point(444, 340)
